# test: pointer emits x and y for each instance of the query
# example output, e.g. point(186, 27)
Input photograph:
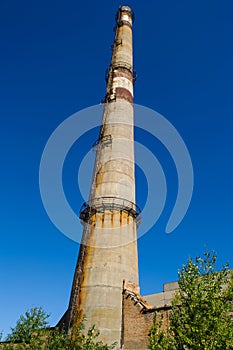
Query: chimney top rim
point(126, 9)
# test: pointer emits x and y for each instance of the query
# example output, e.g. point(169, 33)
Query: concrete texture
point(163, 299)
point(110, 255)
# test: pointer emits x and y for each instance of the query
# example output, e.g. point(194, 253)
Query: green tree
point(201, 310)
point(29, 330)
point(60, 340)
point(33, 333)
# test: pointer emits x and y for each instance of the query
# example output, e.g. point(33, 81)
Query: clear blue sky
point(52, 64)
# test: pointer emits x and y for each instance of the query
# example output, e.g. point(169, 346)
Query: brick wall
point(136, 324)
point(137, 320)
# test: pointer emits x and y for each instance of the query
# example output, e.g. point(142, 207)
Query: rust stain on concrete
point(102, 222)
point(112, 223)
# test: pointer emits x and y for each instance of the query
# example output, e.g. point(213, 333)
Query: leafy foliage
point(59, 340)
point(32, 332)
point(200, 316)
point(161, 339)
point(29, 330)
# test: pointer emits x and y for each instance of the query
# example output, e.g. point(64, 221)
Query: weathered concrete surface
point(163, 299)
point(110, 230)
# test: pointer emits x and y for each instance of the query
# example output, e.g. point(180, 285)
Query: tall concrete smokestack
point(108, 254)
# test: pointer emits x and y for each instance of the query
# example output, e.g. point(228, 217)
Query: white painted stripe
point(126, 17)
point(122, 82)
